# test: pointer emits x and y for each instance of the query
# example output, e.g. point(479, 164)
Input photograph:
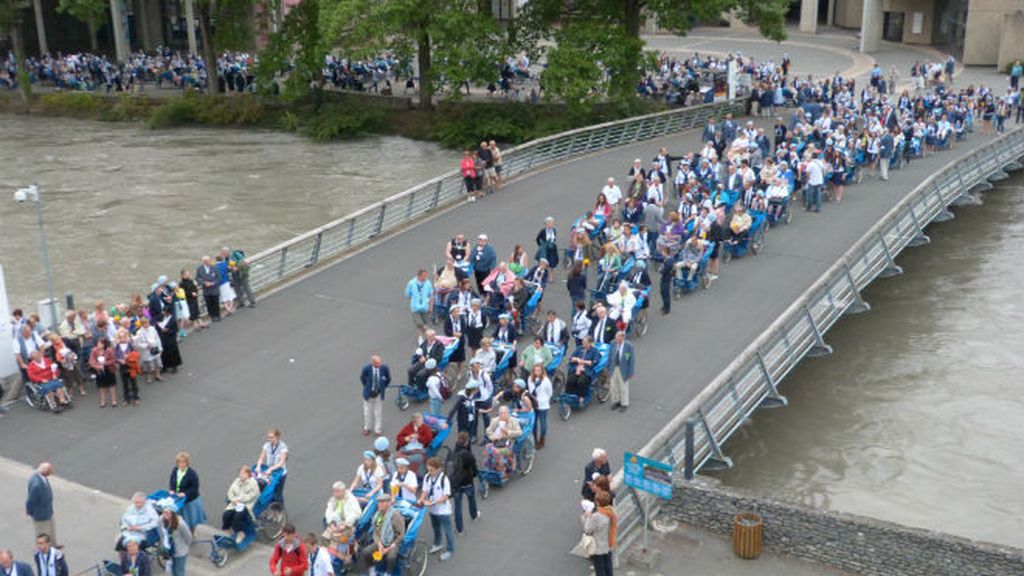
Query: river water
point(123, 204)
point(918, 416)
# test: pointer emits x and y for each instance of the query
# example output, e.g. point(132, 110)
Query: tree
point(295, 52)
point(610, 30)
point(93, 12)
point(223, 25)
point(453, 41)
point(12, 14)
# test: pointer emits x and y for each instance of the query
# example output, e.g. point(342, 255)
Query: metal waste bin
point(746, 535)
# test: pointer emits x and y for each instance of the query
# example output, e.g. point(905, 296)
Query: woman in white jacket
point(147, 342)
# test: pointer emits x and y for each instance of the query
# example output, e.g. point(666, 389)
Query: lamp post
point(31, 194)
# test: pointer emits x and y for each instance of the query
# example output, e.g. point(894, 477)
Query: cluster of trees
point(453, 41)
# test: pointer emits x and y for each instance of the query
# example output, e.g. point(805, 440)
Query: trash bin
point(746, 535)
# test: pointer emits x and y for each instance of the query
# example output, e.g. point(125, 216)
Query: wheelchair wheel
point(640, 324)
point(726, 254)
point(416, 563)
point(161, 559)
point(402, 402)
point(219, 556)
point(526, 455)
point(272, 520)
point(557, 383)
point(32, 399)
point(757, 242)
point(603, 390)
point(565, 411)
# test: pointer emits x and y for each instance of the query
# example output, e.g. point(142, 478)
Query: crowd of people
point(130, 341)
point(161, 67)
point(670, 213)
point(694, 80)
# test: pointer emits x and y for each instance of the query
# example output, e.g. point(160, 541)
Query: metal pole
point(688, 455)
point(46, 258)
point(647, 518)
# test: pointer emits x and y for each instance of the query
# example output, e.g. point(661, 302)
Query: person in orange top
point(43, 372)
point(468, 168)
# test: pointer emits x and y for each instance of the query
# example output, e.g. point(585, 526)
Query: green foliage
point(194, 108)
point(126, 108)
point(341, 123)
point(289, 121)
point(89, 11)
point(295, 51)
point(71, 102)
point(576, 66)
point(466, 126)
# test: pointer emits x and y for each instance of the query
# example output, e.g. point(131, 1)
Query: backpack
point(443, 386)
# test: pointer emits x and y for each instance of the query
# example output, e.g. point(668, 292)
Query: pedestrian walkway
point(294, 363)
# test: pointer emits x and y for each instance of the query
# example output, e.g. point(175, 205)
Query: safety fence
point(694, 438)
point(291, 257)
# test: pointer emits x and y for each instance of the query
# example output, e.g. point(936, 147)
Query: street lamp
point(31, 194)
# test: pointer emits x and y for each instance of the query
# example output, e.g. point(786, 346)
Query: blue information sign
point(648, 475)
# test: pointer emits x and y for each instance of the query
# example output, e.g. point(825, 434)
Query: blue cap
point(368, 454)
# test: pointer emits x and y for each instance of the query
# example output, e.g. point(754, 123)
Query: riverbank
point(329, 116)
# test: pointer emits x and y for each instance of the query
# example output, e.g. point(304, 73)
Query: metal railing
point(283, 261)
point(694, 437)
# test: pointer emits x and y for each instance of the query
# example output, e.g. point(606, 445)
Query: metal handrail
point(293, 256)
point(693, 437)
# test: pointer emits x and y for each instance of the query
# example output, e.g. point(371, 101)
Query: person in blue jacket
point(484, 259)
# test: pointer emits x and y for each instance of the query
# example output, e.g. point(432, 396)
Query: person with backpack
point(436, 496)
point(462, 470)
point(437, 387)
point(289, 557)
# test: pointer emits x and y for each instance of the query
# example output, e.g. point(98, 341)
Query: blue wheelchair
point(409, 393)
point(504, 369)
point(598, 387)
point(267, 519)
point(412, 552)
point(557, 376)
point(752, 242)
point(684, 283)
point(523, 451)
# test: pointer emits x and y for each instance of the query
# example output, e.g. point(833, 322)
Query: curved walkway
point(293, 363)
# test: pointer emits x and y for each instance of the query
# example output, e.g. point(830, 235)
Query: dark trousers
point(480, 276)
point(234, 520)
point(470, 492)
point(602, 564)
point(212, 305)
point(577, 383)
point(129, 384)
point(666, 293)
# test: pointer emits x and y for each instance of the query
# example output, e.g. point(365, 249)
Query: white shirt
point(408, 484)
point(815, 173)
point(274, 453)
point(435, 487)
point(32, 343)
point(434, 387)
point(320, 564)
point(542, 392)
point(612, 194)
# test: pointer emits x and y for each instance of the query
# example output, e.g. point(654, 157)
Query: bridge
point(294, 362)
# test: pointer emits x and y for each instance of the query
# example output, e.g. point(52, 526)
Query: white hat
point(430, 364)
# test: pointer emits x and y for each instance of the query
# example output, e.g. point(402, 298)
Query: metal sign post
point(646, 475)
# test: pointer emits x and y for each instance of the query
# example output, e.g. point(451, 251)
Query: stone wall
point(848, 542)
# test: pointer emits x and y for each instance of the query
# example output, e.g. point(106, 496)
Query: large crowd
point(485, 358)
point(159, 68)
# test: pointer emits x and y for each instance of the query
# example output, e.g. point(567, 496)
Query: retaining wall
point(857, 544)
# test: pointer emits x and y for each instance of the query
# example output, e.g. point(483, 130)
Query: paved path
point(293, 363)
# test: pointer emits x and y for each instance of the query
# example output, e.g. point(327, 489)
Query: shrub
point(71, 102)
point(337, 123)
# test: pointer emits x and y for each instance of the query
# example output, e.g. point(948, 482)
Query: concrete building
point(979, 32)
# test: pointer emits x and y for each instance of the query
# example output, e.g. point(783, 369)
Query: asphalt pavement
point(293, 363)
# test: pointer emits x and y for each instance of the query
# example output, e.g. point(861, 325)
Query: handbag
point(585, 548)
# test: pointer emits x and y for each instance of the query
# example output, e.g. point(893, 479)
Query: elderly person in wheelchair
point(502, 434)
point(242, 495)
point(621, 304)
point(43, 376)
point(340, 517)
point(138, 523)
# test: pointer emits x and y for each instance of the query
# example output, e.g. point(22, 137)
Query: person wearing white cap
point(434, 386)
point(403, 481)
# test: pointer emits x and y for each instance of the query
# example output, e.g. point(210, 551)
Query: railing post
point(983, 184)
point(280, 266)
point(919, 239)
point(380, 219)
point(688, 454)
point(351, 231)
point(773, 399)
point(858, 306)
point(437, 194)
point(315, 254)
point(717, 460)
point(944, 214)
point(891, 269)
point(408, 207)
point(819, 348)
point(533, 152)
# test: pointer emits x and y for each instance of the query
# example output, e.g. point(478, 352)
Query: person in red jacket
point(468, 168)
point(417, 430)
point(43, 372)
point(289, 558)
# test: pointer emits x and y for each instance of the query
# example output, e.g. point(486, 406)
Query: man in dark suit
point(375, 377)
point(49, 560)
point(209, 280)
point(602, 329)
point(39, 504)
point(885, 146)
point(555, 330)
point(598, 466)
point(622, 364)
point(9, 566)
point(709, 131)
